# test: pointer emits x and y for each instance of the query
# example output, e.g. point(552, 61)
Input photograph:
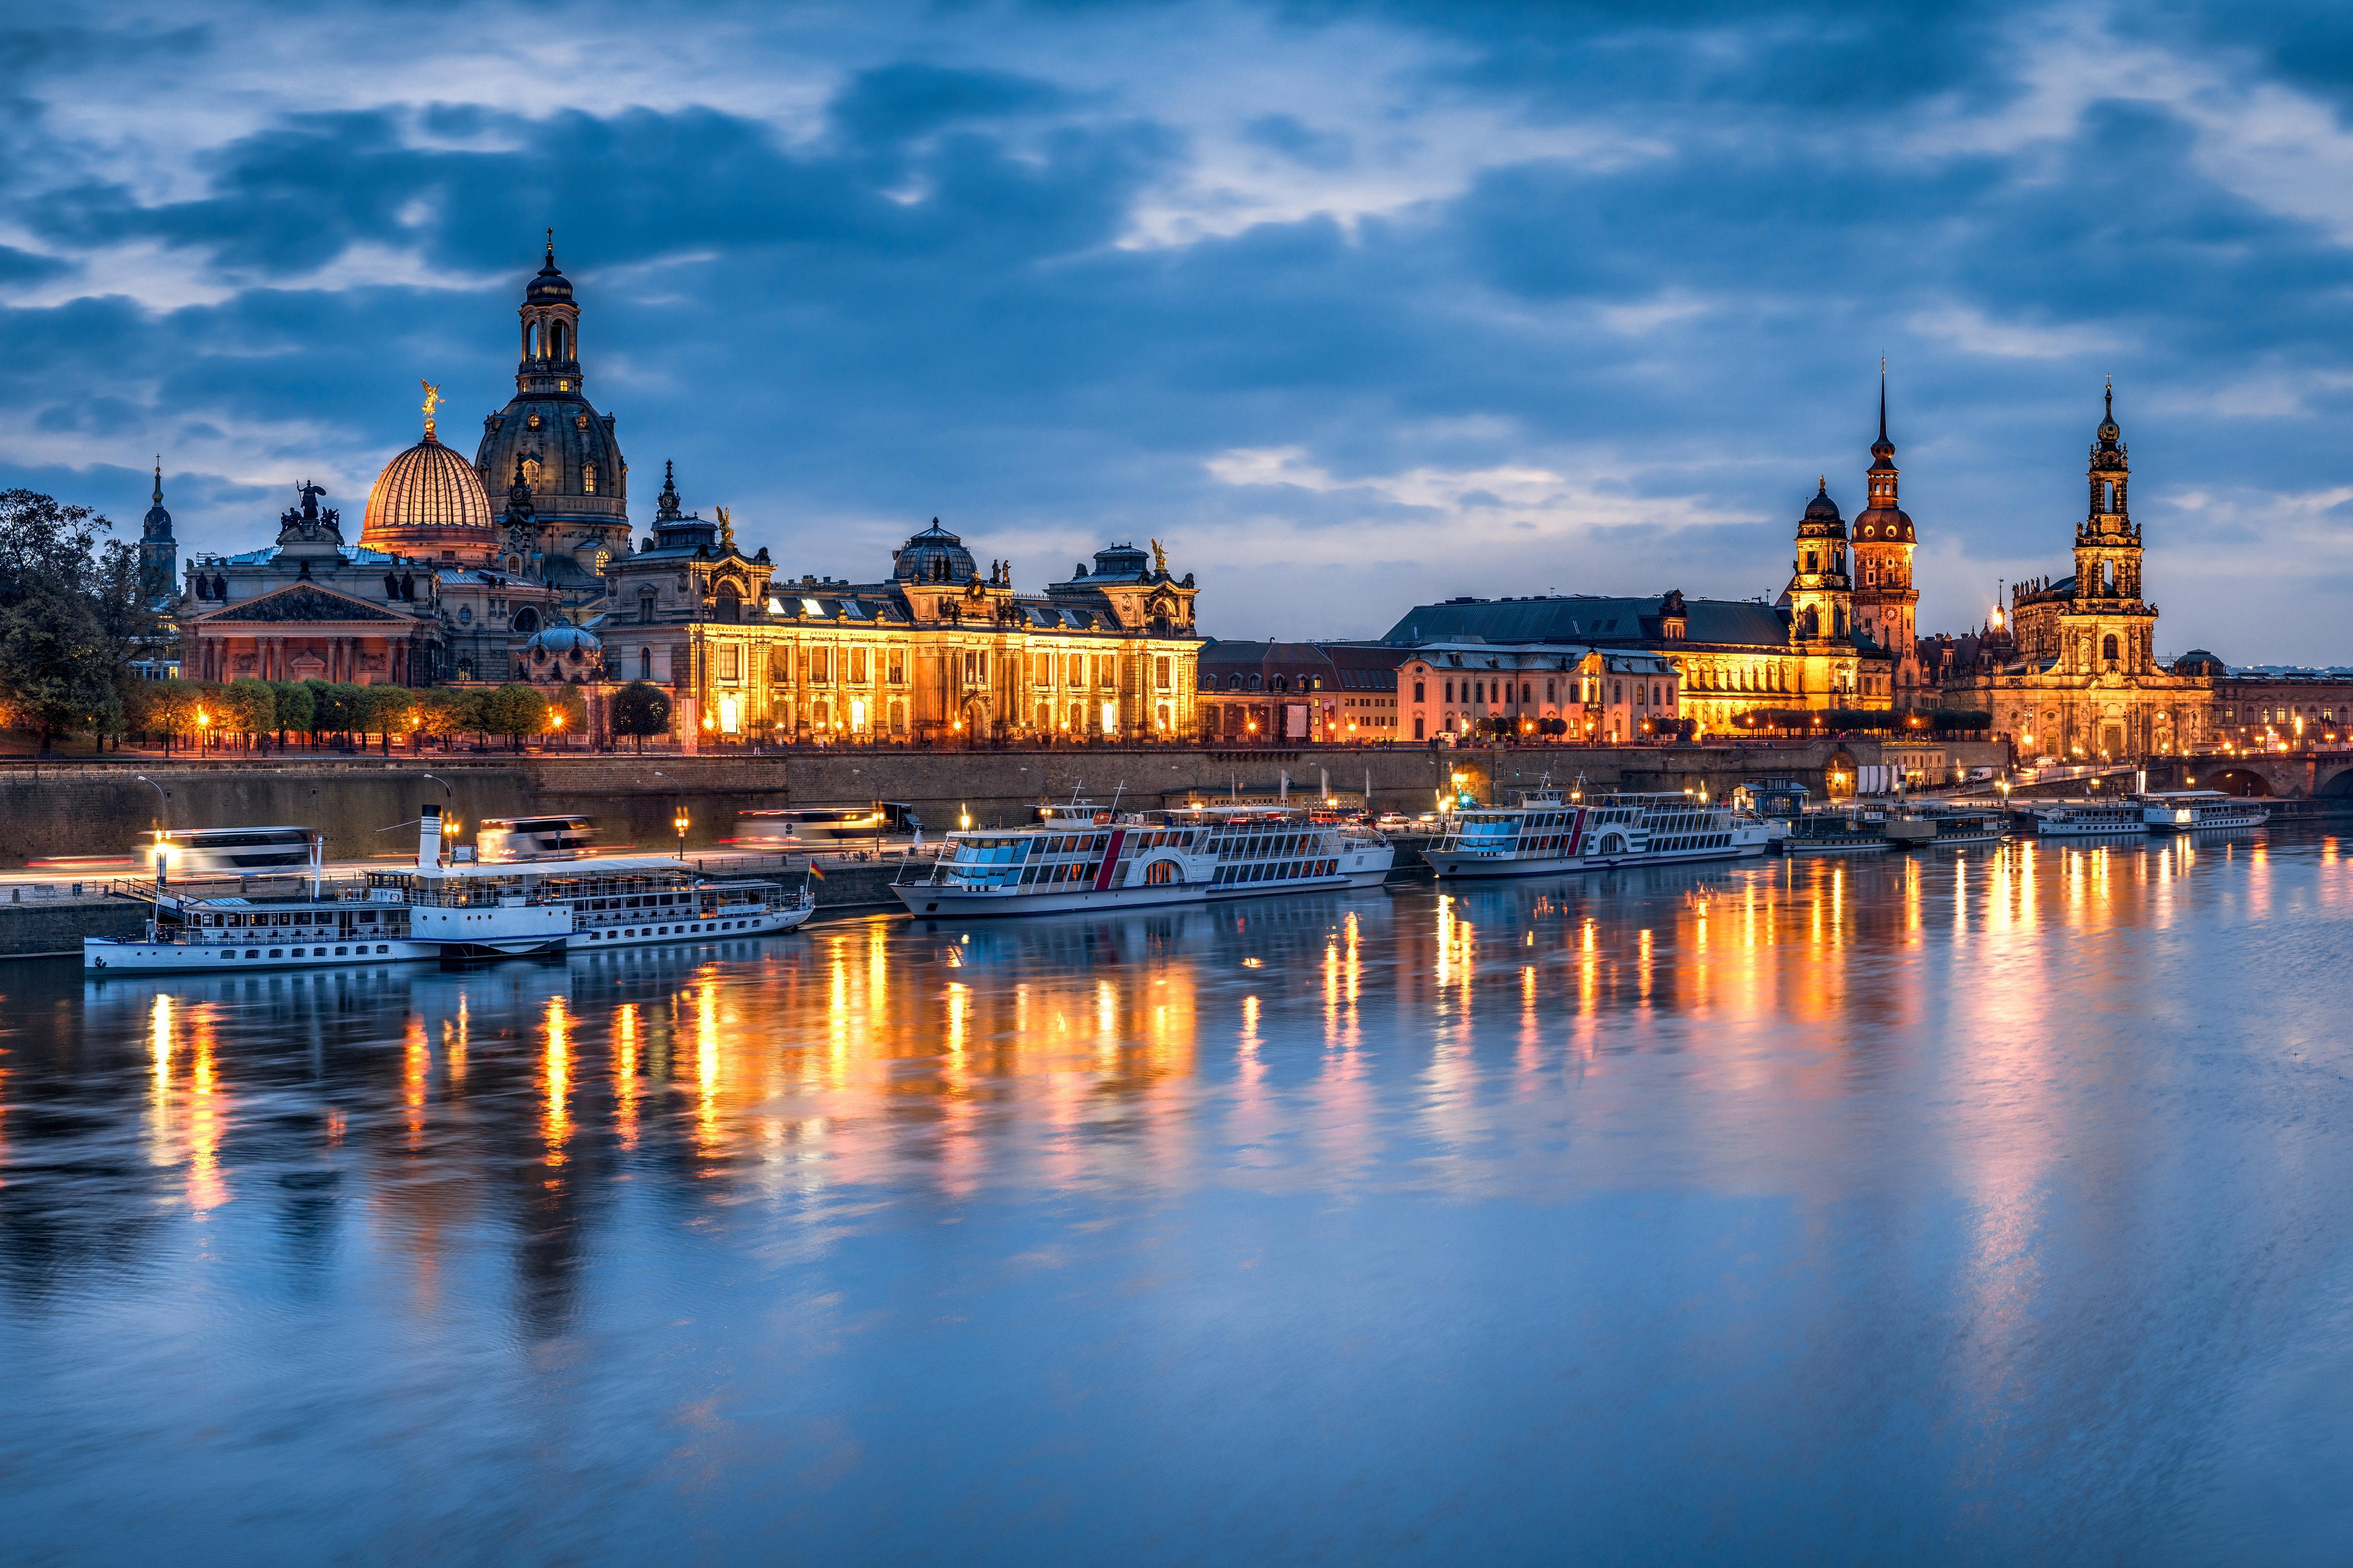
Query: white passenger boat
point(2085, 819)
point(1544, 833)
point(2199, 811)
point(1084, 857)
point(438, 912)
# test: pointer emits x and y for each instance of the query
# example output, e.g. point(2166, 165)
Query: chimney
point(428, 840)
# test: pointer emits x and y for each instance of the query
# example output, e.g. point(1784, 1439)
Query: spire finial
point(1882, 397)
point(2111, 398)
point(159, 478)
point(551, 244)
point(1822, 485)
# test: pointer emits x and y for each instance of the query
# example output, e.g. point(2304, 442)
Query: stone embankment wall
point(369, 806)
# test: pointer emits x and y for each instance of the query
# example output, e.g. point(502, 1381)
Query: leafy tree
point(54, 666)
point(336, 708)
point(246, 707)
point(47, 546)
point(514, 711)
point(387, 711)
point(297, 707)
point(442, 713)
point(640, 709)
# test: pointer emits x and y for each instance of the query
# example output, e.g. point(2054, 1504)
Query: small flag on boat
point(817, 870)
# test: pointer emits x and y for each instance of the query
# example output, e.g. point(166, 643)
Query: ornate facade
point(547, 586)
point(2075, 675)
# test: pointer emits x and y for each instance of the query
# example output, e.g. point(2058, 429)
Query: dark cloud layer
point(1673, 245)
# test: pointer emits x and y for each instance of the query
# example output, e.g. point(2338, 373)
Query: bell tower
point(2106, 627)
point(1885, 601)
point(159, 553)
point(551, 333)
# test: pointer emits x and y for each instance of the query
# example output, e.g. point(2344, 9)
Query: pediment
point(304, 602)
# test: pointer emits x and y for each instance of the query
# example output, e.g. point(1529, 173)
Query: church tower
point(565, 448)
point(1885, 601)
point(2106, 628)
point(159, 555)
point(1821, 594)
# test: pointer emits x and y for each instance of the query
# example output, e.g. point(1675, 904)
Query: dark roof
point(1588, 619)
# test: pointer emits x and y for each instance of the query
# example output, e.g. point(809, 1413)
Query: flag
point(817, 870)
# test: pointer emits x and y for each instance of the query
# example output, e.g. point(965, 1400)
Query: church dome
point(428, 500)
point(934, 555)
point(1821, 519)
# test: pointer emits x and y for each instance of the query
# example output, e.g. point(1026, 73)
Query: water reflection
point(1867, 1139)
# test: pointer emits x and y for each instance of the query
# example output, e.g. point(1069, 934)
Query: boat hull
point(926, 901)
point(1482, 867)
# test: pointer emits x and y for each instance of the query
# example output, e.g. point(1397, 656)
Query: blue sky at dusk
point(1351, 307)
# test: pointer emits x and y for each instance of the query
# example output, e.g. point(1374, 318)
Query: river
point(1978, 1209)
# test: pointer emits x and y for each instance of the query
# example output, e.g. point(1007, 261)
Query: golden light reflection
point(626, 1024)
point(706, 1065)
point(415, 1069)
point(207, 1188)
point(555, 1080)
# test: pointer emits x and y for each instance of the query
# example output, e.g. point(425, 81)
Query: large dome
point(429, 502)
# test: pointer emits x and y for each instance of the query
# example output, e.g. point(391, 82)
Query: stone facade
point(2073, 675)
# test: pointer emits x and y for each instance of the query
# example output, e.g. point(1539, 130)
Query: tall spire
point(550, 247)
point(158, 496)
point(1882, 397)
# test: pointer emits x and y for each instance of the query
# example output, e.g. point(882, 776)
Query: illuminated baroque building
point(2074, 673)
point(546, 587)
point(1729, 657)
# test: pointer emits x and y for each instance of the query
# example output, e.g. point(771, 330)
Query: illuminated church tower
point(564, 449)
point(1885, 601)
point(1821, 595)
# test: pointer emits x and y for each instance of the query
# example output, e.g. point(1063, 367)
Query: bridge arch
point(2337, 788)
point(2237, 781)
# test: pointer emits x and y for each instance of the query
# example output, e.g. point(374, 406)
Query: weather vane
point(432, 401)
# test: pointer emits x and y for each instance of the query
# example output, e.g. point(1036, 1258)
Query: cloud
point(1346, 303)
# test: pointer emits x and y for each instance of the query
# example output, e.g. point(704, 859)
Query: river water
point(1982, 1209)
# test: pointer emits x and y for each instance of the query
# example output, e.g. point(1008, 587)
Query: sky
point(1350, 307)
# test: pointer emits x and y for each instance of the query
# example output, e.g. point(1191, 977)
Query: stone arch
point(2244, 781)
point(2337, 787)
point(1839, 773)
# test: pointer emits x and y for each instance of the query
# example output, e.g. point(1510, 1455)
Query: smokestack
point(428, 840)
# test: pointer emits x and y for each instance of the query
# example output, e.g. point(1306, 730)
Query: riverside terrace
point(98, 808)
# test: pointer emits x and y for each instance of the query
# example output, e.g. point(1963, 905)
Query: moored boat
point(2199, 811)
point(1081, 856)
point(1545, 833)
point(2081, 820)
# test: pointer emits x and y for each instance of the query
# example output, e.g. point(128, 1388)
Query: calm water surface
point(1987, 1210)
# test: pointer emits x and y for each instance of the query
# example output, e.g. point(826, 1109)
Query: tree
point(297, 707)
point(336, 708)
point(571, 704)
point(166, 707)
point(515, 710)
point(54, 666)
point(640, 709)
point(442, 713)
point(246, 707)
point(387, 711)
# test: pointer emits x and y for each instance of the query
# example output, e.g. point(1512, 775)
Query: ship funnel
point(428, 840)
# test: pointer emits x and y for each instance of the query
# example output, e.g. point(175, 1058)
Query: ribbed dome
point(1821, 519)
point(934, 555)
point(427, 501)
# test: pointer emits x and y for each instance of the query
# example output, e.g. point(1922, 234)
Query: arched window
point(1813, 621)
point(2108, 648)
point(645, 664)
point(730, 605)
point(555, 335)
point(589, 479)
point(526, 621)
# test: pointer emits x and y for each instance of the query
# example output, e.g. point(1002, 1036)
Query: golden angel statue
point(432, 401)
point(1159, 559)
point(726, 529)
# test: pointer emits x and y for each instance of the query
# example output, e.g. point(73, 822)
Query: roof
point(587, 866)
point(1588, 619)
